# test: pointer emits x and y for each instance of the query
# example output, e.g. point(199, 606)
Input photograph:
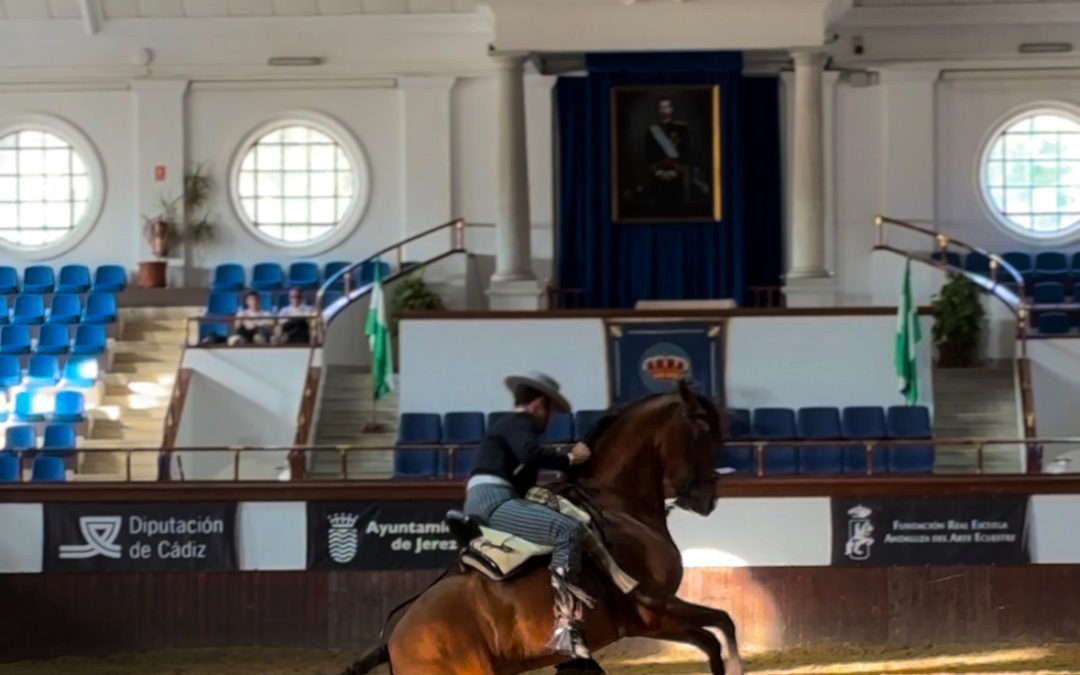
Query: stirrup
point(568, 640)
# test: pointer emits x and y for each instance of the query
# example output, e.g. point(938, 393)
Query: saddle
point(500, 555)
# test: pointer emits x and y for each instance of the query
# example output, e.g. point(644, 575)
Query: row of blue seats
point(856, 423)
point(31, 405)
point(58, 437)
point(54, 339)
point(270, 276)
point(45, 468)
point(227, 303)
point(71, 279)
point(65, 308)
point(44, 370)
point(1045, 266)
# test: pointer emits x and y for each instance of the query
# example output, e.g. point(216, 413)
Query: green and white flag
point(378, 334)
point(908, 335)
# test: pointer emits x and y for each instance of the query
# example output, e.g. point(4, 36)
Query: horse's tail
point(375, 657)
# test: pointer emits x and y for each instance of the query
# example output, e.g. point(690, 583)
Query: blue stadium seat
point(9, 468)
point(42, 371)
point(951, 258)
point(1074, 268)
point(1051, 266)
point(267, 276)
point(210, 329)
point(304, 275)
point(267, 301)
point(1020, 261)
point(10, 371)
point(15, 340)
point(64, 309)
point(228, 277)
point(1048, 293)
point(864, 423)
point(47, 468)
point(38, 279)
point(89, 340)
point(820, 424)
point(100, 308)
point(419, 429)
point(1051, 323)
point(222, 303)
point(464, 430)
point(20, 437)
point(910, 422)
point(70, 407)
point(776, 424)
point(977, 263)
point(5, 316)
point(9, 280)
point(333, 268)
point(31, 406)
point(330, 296)
point(367, 271)
point(494, 417)
point(584, 421)
point(109, 279)
point(737, 457)
point(29, 310)
point(73, 279)
point(53, 338)
point(81, 371)
point(559, 430)
point(58, 437)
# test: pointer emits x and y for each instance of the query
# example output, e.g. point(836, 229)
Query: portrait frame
point(698, 197)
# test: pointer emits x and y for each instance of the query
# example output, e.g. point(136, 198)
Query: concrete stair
point(977, 403)
point(137, 392)
point(343, 413)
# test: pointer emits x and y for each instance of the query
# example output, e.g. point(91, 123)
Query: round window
point(1031, 174)
point(298, 183)
point(50, 186)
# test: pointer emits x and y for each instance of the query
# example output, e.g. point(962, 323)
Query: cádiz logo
point(860, 533)
point(99, 533)
point(342, 538)
point(662, 365)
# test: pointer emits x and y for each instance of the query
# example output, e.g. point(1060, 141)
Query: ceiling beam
point(93, 17)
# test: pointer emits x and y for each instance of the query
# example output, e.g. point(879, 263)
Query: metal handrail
point(457, 245)
point(297, 455)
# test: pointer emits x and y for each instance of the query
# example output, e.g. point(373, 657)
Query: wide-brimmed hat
point(545, 384)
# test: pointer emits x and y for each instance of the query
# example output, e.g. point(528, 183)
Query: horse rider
point(507, 464)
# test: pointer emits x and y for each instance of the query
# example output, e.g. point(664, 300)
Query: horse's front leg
point(681, 621)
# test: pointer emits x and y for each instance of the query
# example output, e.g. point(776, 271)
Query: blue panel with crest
point(647, 358)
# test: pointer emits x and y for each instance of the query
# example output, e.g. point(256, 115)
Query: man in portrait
point(667, 151)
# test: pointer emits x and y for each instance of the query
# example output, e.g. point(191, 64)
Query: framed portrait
point(665, 151)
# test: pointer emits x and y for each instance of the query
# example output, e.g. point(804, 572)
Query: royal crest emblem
point(662, 365)
point(342, 537)
point(860, 533)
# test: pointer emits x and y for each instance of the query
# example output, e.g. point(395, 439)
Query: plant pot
point(152, 273)
point(951, 356)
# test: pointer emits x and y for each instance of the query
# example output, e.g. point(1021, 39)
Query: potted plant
point(958, 322)
point(412, 294)
point(181, 219)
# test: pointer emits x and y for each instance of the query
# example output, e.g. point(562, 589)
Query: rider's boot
point(569, 601)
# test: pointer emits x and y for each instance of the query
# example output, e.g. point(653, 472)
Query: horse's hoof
point(580, 667)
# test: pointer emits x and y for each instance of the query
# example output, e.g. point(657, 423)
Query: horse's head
point(687, 443)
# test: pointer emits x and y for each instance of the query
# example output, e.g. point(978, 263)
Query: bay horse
point(466, 624)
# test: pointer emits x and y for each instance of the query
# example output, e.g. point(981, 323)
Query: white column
point(807, 282)
point(160, 142)
point(513, 285)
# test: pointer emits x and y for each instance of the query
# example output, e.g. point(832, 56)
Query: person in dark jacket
point(507, 464)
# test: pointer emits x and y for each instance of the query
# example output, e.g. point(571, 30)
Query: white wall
point(807, 361)
point(1055, 378)
point(234, 399)
point(770, 361)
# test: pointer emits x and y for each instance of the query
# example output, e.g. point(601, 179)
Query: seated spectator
point(296, 330)
point(248, 329)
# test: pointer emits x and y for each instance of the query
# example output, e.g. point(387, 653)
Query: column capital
point(509, 60)
point(436, 82)
point(809, 58)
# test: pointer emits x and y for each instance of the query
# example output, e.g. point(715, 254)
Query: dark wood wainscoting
point(88, 613)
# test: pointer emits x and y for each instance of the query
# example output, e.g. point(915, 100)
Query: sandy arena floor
point(629, 658)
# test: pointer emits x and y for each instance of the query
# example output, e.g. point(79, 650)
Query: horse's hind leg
point(703, 640)
point(682, 621)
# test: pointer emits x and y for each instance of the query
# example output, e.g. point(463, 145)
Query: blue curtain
point(616, 265)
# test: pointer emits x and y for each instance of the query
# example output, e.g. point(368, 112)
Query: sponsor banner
point(647, 358)
point(392, 535)
point(140, 537)
point(937, 531)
